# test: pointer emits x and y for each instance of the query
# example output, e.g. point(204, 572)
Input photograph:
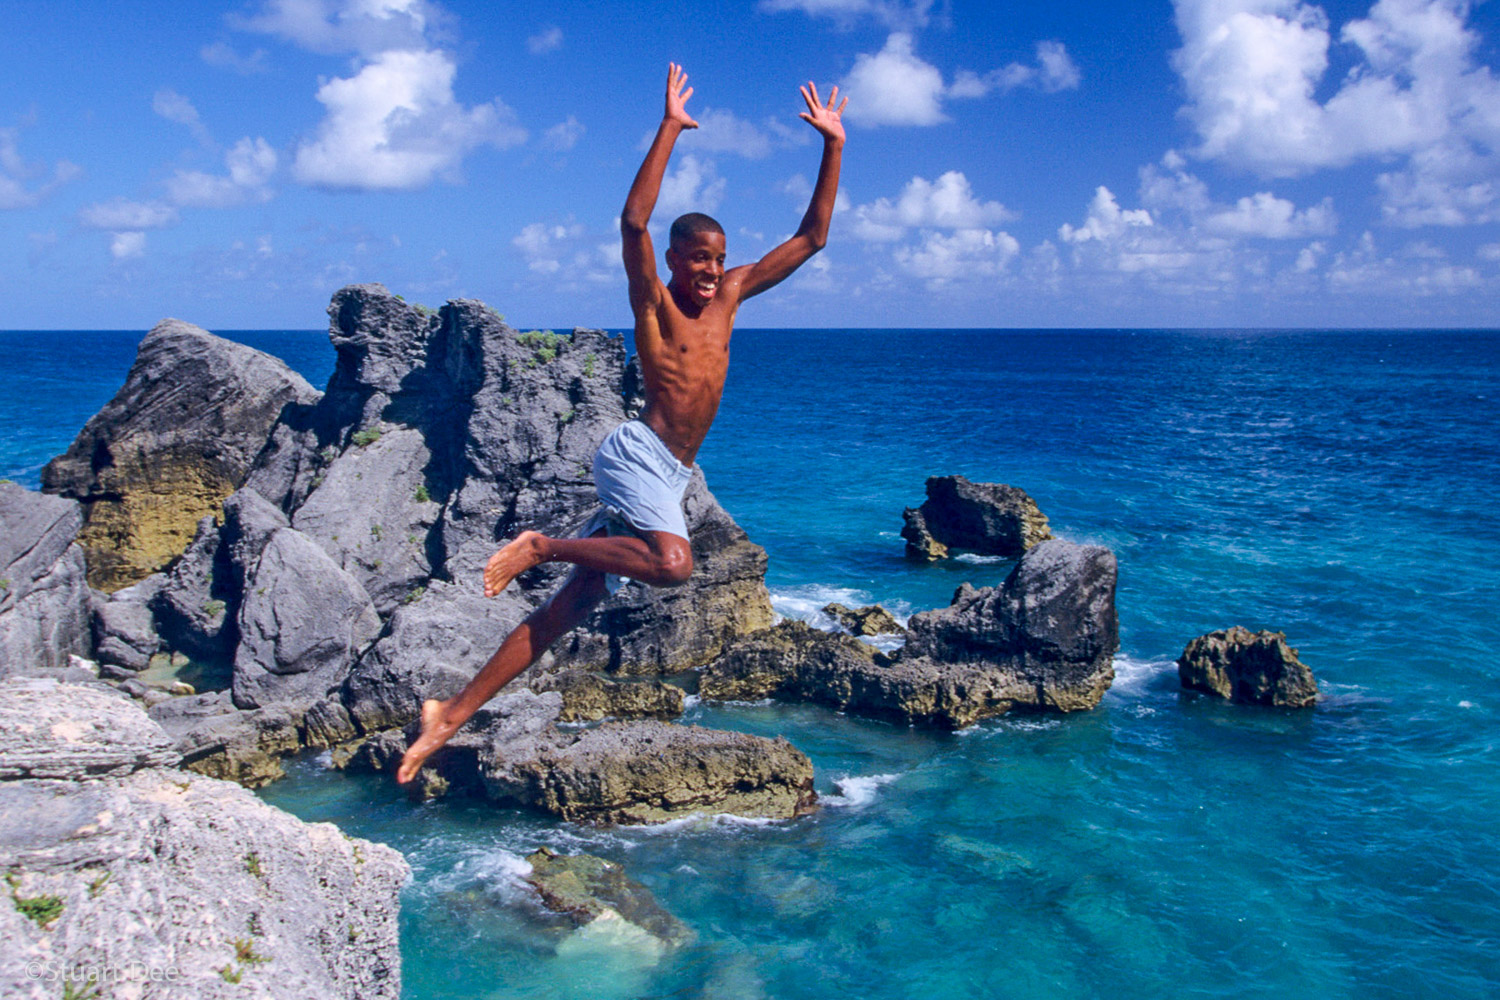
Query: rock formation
point(584, 889)
point(177, 439)
point(1250, 668)
point(162, 883)
point(871, 620)
point(44, 599)
point(987, 518)
point(1044, 640)
point(618, 772)
point(589, 697)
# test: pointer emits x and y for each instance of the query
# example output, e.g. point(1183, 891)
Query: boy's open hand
point(677, 97)
point(828, 120)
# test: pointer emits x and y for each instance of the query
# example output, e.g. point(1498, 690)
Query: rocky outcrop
point(987, 518)
point(125, 635)
point(589, 697)
point(44, 599)
point(870, 620)
point(1249, 668)
point(584, 889)
point(617, 772)
point(1042, 641)
point(177, 439)
point(215, 739)
point(147, 875)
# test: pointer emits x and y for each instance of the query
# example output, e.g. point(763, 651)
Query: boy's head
point(695, 256)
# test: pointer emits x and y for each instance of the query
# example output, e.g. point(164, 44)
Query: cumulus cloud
point(1253, 70)
point(1105, 220)
point(17, 176)
point(694, 186)
point(224, 56)
point(544, 41)
point(338, 26)
point(895, 87)
point(721, 131)
point(127, 245)
point(1054, 71)
point(544, 245)
point(947, 203)
point(396, 125)
point(1364, 270)
point(250, 164)
point(1263, 214)
point(960, 255)
point(563, 136)
point(891, 13)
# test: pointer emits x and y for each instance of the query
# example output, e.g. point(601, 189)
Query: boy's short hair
point(691, 225)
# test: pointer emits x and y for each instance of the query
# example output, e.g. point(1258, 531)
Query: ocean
point(1339, 486)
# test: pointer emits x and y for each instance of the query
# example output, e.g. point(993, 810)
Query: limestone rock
point(793, 660)
point(871, 620)
point(585, 888)
point(589, 697)
point(220, 741)
point(125, 626)
point(988, 518)
point(178, 438)
point(1250, 668)
point(120, 863)
point(194, 610)
point(44, 599)
point(53, 730)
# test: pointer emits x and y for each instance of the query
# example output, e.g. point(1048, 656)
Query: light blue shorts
point(640, 485)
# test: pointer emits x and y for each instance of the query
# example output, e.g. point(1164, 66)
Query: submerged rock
point(44, 597)
point(1044, 640)
point(870, 620)
point(988, 518)
point(178, 438)
point(120, 863)
point(1249, 668)
point(584, 889)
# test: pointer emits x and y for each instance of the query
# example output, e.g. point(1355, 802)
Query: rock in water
point(142, 872)
point(177, 439)
point(585, 888)
point(44, 598)
point(1250, 668)
point(988, 518)
point(870, 620)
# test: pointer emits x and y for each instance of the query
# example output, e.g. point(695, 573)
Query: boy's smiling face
point(697, 266)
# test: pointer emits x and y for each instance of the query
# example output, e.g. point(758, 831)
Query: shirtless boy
point(682, 333)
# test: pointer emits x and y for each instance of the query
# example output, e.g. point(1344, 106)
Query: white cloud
point(962, 254)
point(1253, 70)
point(223, 55)
point(563, 136)
point(16, 174)
point(1054, 71)
point(1105, 221)
point(891, 13)
point(544, 41)
point(250, 163)
point(1308, 257)
point(694, 186)
point(395, 125)
point(947, 203)
point(1265, 215)
point(172, 106)
point(543, 246)
point(122, 214)
point(1490, 252)
point(127, 245)
point(721, 131)
point(1363, 270)
point(335, 26)
point(895, 87)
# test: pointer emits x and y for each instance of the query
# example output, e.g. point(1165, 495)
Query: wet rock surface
point(585, 888)
point(870, 620)
point(120, 862)
point(1249, 668)
point(987, 518)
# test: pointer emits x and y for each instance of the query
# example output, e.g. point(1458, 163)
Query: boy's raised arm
point(640, 257)
point(812, 235)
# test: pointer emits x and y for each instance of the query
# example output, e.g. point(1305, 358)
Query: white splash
point(856, 790)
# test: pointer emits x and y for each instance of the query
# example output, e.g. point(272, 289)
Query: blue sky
point(1197, 163)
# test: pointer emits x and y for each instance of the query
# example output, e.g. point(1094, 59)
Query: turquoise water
point(1338, 486)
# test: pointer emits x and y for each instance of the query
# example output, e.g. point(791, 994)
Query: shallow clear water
point(1337, 486)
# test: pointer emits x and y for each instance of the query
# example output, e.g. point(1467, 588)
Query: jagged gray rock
point(44, 597)
point(1044, 640)
point(988, 518)
point(618, 772)
point(195, 609)
point(217, 740)
point(178, 438)
point(138, 869)
point(1250, 668)
point(125, 627)
point(869, 620)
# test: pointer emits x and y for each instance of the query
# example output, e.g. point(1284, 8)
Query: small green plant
point(317, 480)
point(213, 608)
point(412, 597)
point(588, 365)
point(230, 974)
point(253, 925)
point(40, 909)
point(244, 952)
point(97, 886)
point(425, 311)
point(328, 454)
point(4, 583)
point(422, 496)
point(252, 865)
point(353, 934)
point(400, 297)
point(375, 530)
point(567, 416)
point(544, 343)
point(366, 437)
point(495, 313)
point(88, 991)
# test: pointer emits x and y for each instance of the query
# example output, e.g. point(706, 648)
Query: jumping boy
point(643, 467)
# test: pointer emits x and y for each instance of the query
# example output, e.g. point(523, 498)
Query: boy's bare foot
point(435, 732)
point(514, 558)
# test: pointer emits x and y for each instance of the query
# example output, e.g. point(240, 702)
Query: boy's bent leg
point(563, 611)
point(658, 558)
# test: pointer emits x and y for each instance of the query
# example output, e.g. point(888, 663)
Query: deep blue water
point(1335, 485)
